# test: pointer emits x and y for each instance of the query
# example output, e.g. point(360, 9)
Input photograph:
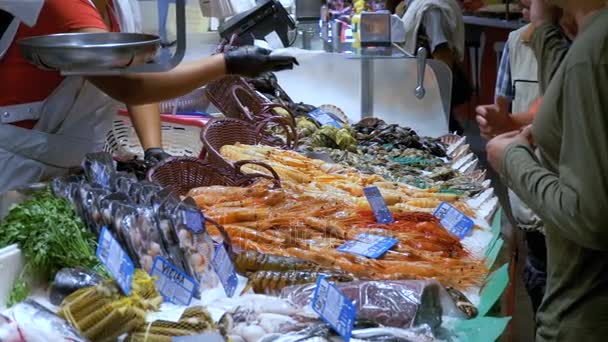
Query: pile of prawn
point(317, 176)
point(309, 224)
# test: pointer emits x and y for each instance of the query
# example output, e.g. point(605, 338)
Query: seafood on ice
point(293, 222)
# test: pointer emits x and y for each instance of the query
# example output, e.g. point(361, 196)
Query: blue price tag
point(454, 220)
point(194, 221)
point(116, 260)
point(325, 118)
point(334, 308)
point(376, 201)
point(225, 270)
point(369, 245)
point(174, 285)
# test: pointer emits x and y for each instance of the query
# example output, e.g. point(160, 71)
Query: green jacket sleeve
point(550, 47)
point(575, 199)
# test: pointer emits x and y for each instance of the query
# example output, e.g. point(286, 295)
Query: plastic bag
point(122, 181)
point(29, 321)
point(402, 304)
point(188, 225)
point(140, 232)
point(68, 280)
point(142, 192)
point(164, 204)
point(88, 205)
point(66, 187)
point(98, 168)
point(113, 208)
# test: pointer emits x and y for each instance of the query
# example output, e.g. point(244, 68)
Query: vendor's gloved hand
point(251, 61)
point(155, 155)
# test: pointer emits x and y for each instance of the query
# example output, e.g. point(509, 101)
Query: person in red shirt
point(48, 122)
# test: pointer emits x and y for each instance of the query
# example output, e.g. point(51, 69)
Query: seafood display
point(148, 221)
point(299, 230)
point(29, 321)
point(284, 321)
point(193, 321)
point(373, 131)
point(311, 221)
point(102, 313)
point(271, 282)
point(313, 176)
point(393, 152)
point(401, 304)
point(252, 261)
point(70, 280)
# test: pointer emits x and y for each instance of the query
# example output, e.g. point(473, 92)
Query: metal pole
point(367, 87)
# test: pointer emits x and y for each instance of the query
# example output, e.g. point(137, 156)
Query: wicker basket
point(180, 134)
point(182, 174)
point(238, 99)
point(220, 132)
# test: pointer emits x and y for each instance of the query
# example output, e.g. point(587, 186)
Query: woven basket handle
point(227, 241)
point(290, 131)
point(213, 155)
point(248, 176)
point(268, 107)
point(238, 90)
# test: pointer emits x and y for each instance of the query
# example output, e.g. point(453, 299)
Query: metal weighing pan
point(90, 51)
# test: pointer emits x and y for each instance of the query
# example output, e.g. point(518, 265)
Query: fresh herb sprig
point(50, 235)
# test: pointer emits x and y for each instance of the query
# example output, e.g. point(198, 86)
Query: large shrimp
point(252, 261)
point(252, 234)
point(248, 245)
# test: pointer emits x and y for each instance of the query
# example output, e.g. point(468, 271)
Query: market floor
point(522, 323)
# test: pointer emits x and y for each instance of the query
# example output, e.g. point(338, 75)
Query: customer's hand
point(495, 119)
point(496, 147)
point(251, 61)
point(153, 156)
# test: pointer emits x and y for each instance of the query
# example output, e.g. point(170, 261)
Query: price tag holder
point(454, 220)
point(376, 201)
point(173, 284)
point(334, 308)
point(325, 118)
point(368, 245)
point(225, 270)
point(194, 221)
point(116, 260)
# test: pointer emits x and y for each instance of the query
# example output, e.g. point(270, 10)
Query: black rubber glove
point(153, 156)
point(252, 61)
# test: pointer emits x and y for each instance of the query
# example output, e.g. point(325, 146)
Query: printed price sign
point(325, 118)
point(116, 260)
point(194, 221)
point(376, 201)
point(334, 308)
point(454, 220)
point(225, 270)
point(368, 245)
point(174, 285)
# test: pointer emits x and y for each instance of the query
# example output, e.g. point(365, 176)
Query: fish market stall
point(296, 216)
point(244, 253)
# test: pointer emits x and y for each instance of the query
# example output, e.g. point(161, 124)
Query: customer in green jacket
point(567, 186)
